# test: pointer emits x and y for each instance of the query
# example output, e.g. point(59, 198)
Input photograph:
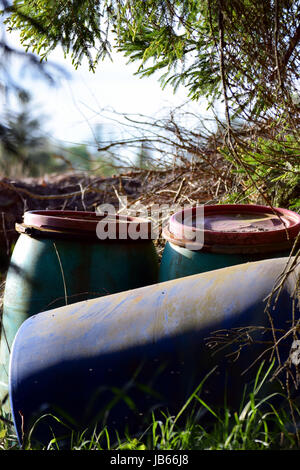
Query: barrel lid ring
point(229, 225)
point(85, 223)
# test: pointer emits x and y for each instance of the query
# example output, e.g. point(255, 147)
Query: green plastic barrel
point(217, 236)
point(63, 257)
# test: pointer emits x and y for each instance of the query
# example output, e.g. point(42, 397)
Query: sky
point(74, 107)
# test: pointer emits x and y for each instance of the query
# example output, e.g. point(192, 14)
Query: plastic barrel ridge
point(148, 343)
point(59, 259)
point(230, 234)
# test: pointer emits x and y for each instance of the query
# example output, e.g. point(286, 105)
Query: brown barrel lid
point(234, 225)
point(88, 223)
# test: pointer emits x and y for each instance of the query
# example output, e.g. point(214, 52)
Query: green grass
point(256, 425)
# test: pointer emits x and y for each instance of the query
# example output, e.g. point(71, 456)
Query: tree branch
point(293, 43)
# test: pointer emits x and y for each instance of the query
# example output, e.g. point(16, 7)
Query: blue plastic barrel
point(81, 361)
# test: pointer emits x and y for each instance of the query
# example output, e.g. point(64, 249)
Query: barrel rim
point(229, 249)
point(184, 233)
point(85, 223)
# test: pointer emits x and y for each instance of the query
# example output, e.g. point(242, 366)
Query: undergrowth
point(260, 423)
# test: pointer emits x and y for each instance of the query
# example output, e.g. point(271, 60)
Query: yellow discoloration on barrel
point(151, 313)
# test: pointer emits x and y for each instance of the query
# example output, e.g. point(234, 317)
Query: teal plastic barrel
point(59, 259)
point(219, 236)
point(114, 359)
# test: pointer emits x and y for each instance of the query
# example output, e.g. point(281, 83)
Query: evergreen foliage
point(244, 45)
point(244, 53)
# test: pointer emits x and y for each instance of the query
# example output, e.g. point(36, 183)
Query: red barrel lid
point(233, 224)
point(91, 223)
